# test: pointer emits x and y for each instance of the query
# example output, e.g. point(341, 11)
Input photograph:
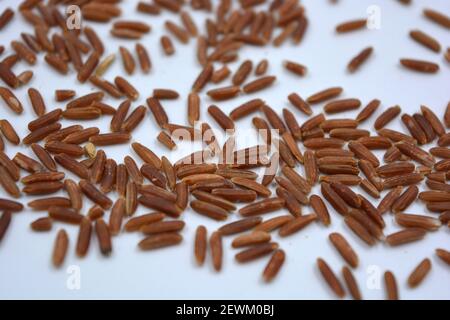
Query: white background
point(25, 267)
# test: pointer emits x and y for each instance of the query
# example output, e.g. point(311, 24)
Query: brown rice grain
point(250, 239)
point(8, 184)
point(274, 265)
point(166, 140)
point(342, 105)
point(299, 103)
point(419, 273)
point(391, 286)
point(5, 221)
point(405, 236)
point(106, 86)
point(417, 221)
point(225, 122)
point(322, 143)
point(255, 252)
point(334, 199)
point(178, 32)
point(11, 100)
point(10, 205)
point(350, 26)
point(216, 247)
point(165, 94)
point(220, 74)
point(420, 65)
point(359, 230)
point(85, 100)
point(261, 67)
point(434, 121)
point(44, 157)
point(437, 17)
point(94, 40)
point(41, 224)
point(344, 248)
point(193, 108)
point(24, 52)
point(57, 63)
point(88, 67)
point(434, 196)
point(342, 123)
point(242, 72)
point(87, 113)
point(158, 111)
point(313, 122)
point(6, 16)
point(74, 193)
point(60, 248)
point(414, 128)
point(104, 65)
point(135, 224)
point(210, 210)
point(25, 77)
point(59, 147)
point(386, 203)
point(103, 236)
point(160, 204)
point(444, 255)
point(224, 93)
point(285, 33)
point(126, 33)
point(215, 200)
point(63, 95)
point(359, 59)
point(416, 153)
point(81, 136)
point(200, 245)
point(130, 198)
point(126, 88)
point(274, 119)
point(26, 163)
point(259, 84)
point(132, 25)
point(292, 124)
point(84, 237)
point(9, 132)
point(8, 76)
point(387, 116)
point(58, 213)
point(406, 199)
point(167, 45)
point(296, 225)
point(146, 154)
point(295, 68)
point(240, 226)
point(107, 139)
point(351, 283)
point(263, 206)
point(94, 194)
point(162, 227)
point(425, 40)
point(246, 109)
point(330, 278)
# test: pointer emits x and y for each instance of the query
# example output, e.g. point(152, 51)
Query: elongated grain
point(330, 278)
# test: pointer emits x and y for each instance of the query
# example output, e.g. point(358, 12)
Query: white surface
point(25, 268)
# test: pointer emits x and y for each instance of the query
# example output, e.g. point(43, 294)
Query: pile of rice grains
point(335, 150)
